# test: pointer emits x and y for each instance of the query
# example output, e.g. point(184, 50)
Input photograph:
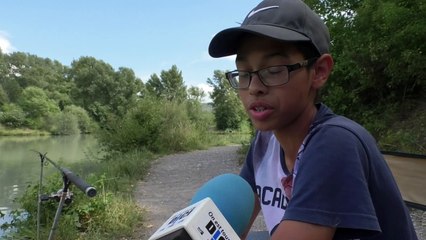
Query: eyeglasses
point(270, 76)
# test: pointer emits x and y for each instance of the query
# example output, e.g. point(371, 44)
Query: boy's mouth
point(259, 109)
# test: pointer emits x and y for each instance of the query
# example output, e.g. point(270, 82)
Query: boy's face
point(279, 107)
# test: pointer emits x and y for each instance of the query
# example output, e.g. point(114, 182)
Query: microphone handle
point(80, 183)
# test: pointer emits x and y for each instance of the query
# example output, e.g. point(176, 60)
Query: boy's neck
point(292, 136)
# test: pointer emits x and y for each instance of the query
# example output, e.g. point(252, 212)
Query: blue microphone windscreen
point(233, 196)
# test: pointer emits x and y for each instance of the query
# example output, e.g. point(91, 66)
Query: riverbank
point(172, 180)
point(6, 132)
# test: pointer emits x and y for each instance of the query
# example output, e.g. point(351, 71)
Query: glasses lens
point(273, 76)
point(239, 79)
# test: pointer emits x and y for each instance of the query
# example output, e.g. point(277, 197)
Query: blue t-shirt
point(340, 179)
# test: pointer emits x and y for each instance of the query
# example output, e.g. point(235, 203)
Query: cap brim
point(226, 42)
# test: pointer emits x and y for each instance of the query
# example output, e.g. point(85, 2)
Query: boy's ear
point(322, 70)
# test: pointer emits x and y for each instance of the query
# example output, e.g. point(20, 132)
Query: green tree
point(196, 94)
point(84, 122)
point(227, 108)
point(22, 70)
point(3, 74)
point(154, 87)
point(137, 129)
point(202, 118)
point(93, 80)
point(11, 88)
point(11, 115)
point(62, 123)
point(391, 50)
point(3, 96)
point(379, 75)
point(100, 90)
point(36, 104)
point(30, 70)
point(157, 129)
point(128, 87)
point(169, 85)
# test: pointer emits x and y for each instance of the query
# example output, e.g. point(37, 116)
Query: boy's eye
point(244, 75)
point(274, 70)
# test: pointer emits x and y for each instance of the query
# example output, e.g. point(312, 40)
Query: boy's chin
point(262, 126)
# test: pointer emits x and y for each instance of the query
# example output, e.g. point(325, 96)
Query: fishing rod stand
point(63, 197)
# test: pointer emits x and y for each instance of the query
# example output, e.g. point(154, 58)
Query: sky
point(147, 36)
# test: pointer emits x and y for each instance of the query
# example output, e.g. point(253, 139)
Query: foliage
point(201, 118)
point(178, 131)
point(62, 123)
point(12, 115)
point(3, 96)
point(23, 70)
point(379, 72)
point(228, 111)
point(169, 85)
point(36, 104)
point(85, 123)
point(134, 130)
point(196, 94)
point(12, 89)
point(112, 214)
point(407, 135)
point(165, 118)
point(100, 90)
point(148, 126)
point(4, 131)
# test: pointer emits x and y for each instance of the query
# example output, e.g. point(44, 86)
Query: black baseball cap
point(286, 20)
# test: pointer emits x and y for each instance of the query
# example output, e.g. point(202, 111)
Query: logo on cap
point(260, 10)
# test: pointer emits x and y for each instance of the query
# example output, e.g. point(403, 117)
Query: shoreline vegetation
point(21, 132)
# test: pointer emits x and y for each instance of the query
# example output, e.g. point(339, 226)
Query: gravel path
point(173, 179)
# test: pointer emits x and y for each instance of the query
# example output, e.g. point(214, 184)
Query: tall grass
point(21, 132)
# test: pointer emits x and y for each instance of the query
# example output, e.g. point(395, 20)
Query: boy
point(316, 175)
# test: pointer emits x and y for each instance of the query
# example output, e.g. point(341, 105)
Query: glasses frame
point(290, 68)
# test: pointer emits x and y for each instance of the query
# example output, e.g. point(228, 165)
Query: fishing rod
point(63, 195)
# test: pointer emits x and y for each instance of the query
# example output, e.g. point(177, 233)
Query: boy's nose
point(256, 86)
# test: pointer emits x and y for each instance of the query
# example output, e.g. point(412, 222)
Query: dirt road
point(173, 180)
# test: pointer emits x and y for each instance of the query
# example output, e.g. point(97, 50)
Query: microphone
point(80, 183)
point(220, 210)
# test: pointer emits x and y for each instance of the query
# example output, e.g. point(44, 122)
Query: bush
point(62, 123)
point(177, 133)
point(12, 115)
point(407, 134)
point(155, 125)
point(136, 130)
point(85, 123)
